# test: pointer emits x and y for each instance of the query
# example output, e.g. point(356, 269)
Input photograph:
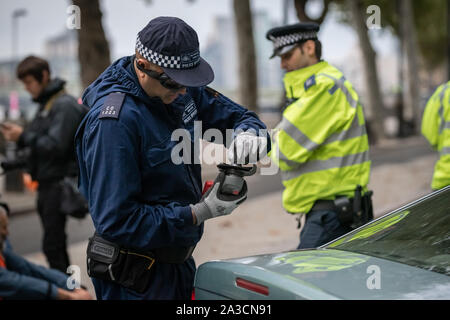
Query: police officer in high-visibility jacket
point(321, 144)
point(436, 128)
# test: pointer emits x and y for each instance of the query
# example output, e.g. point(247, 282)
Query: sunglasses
point(163, 78)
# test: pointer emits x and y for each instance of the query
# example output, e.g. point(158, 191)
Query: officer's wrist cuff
point(186, 215)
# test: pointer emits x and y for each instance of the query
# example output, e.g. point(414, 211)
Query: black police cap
point(172, 44)
point(286, 37)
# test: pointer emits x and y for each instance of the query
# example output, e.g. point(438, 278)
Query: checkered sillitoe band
point(172, 62)
point(281, 41)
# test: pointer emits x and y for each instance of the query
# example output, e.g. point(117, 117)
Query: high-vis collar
point(294, 80)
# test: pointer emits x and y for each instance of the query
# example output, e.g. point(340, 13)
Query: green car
point(402, 255)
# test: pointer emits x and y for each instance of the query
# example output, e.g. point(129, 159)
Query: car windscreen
point(417, 235)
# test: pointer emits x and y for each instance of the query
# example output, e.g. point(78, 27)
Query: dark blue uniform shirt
point(138, 197)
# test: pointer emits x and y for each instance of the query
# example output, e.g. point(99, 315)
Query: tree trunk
point(248, 82)
point(399, 105)
point(300, 7)
point(448, 40)
point(375, 101)
point(411, 97)
point(93, 48)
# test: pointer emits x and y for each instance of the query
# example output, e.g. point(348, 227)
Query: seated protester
point(20, 279)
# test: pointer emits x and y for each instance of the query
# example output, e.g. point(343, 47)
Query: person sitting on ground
point(23, 280)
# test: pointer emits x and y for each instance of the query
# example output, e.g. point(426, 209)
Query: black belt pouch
point(128, 268)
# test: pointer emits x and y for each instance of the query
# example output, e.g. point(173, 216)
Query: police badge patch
point(113, 104)
point(190, 60)
point(190, 111)
point(310, 82)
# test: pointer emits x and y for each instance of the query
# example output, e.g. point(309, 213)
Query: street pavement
point(401, 172)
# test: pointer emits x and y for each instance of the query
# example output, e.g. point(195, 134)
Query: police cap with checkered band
point(172, 44)
point(285, 38)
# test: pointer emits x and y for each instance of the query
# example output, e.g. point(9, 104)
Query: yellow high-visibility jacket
point(321, 144)
point(436, 129)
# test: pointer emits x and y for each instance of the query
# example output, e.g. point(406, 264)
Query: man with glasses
point(147, 210)
point(321, 146)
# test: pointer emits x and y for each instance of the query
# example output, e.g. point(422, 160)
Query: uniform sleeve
point(308, 122)
point(112, 163)
point(25, 280)
point(218, 112)
point(430, 119)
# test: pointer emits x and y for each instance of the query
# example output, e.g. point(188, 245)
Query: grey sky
point(123, 19)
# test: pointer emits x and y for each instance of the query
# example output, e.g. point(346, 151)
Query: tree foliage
point(430, 23)
point(430, 18)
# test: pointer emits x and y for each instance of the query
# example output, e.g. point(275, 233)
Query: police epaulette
point(213, 92)
point(310, 82)
point(113, 104)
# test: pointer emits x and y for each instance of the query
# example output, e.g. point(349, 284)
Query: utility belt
point(129, 268)
point(351, 212)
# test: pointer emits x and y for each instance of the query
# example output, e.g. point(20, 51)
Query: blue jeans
point(321, 226)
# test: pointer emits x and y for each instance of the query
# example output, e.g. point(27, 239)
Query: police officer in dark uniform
point(147, 209)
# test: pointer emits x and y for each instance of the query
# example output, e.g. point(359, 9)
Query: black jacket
point(49, 138)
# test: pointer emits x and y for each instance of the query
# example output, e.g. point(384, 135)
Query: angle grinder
point(232, 185)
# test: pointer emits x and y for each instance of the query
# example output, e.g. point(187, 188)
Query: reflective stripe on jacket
point(436, 129)
point(321, 146)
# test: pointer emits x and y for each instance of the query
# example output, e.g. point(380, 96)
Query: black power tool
point(233, 182)
point(232, 185)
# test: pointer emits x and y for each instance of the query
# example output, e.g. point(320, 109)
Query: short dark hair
point(32, 66)
point(317, 47)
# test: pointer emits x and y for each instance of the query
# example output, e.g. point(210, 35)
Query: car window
point(417, 235)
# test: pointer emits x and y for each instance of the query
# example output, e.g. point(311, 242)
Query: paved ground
point(260, 225)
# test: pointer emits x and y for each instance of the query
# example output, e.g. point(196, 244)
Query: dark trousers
point(53, 222)
point(321, 226)
point(168, 282)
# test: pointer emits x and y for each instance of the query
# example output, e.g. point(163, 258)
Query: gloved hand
point(215, 204)
point(246, 148)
